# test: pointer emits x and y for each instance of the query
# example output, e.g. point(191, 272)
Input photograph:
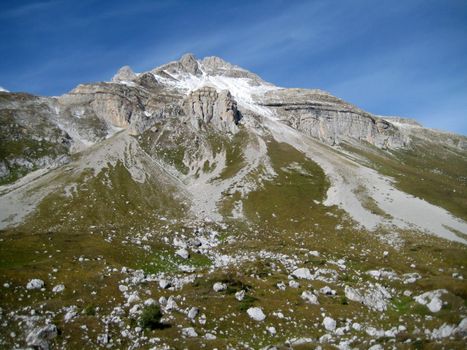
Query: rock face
point(206, 106)
point(186, 65)
point(218, 67)
point(113, 104)
point(29, 138)
point(331, 120)
point(124, 74)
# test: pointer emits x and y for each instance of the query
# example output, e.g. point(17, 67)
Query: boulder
point(256, 314)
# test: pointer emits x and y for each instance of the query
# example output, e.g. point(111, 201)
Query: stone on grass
point(133, 298)
point(189, 332)
point(271, 330)
point(294, 284)
point(164, 284)
point(194, 311)
point(256, 313)
point(329, 323)
point(219, 287)
point(302, 273)
point(35, 283)
point(41, 337)
point(58, 288)
point(149, 302)
point(309, 297)
point(183, 253)
point(240, 295)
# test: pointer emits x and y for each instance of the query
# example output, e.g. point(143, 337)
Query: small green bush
point(90, 310)
point(151, 318)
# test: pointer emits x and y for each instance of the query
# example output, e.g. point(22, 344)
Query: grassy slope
point(285, 216)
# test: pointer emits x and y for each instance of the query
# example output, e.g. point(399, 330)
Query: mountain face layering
point(197, 205)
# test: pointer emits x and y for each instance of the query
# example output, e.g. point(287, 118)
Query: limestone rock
point(329, 323)
point(40, 337)
point(189, 332)
point(256, 314)
point(302, 273)
point(309, 297)
point(206, 106)
point(332, 120)
point(125, 74)
point(35, 283)
point(219, 287)
point(115, 104)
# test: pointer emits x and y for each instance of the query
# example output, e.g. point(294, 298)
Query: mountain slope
point(218, 197)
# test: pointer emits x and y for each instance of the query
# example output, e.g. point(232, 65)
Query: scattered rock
point(327, 291)
point(209, 336)
point(183, 253)
point(256, 313)
point(189, 332)
point(302, 273)
point(133, 298)
point(240, 295)
point(272, 330)
point(309, 297)
point(58, 288)
point(431, 299)
point(294, 284)
point(35, 284)
point(374, 296)
point(41, 337)
point(219, 287)
point(329, 323)
point(194, 311)
point(164, 284)
point(149, 302)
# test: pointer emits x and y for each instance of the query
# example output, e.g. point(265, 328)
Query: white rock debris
point(183, 253)
point(302, 273)
point(58, 288)
point(431, 299)
point(189, 332)
point(256, 314)
point(374, 296)
point(219, 287)
point(329, 323)
point(35, 283)
point(240, 295)
point(192, 313)
point(309, 297)
point(41, 337)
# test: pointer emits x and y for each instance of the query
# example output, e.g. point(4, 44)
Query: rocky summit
point(198, 206)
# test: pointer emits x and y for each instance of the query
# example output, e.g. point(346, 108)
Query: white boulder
point(302, 273)
point(219, 287)
point(329, 323)
point(309, 297)
point(256, 313)
point(35, 283)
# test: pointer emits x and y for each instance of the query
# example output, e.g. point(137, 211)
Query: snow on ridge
point(241, 88)
point(2, 89)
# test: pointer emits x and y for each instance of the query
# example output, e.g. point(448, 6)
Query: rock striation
point(206, 106)
point(331, 120)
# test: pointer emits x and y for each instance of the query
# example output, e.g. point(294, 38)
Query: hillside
point(250, 215)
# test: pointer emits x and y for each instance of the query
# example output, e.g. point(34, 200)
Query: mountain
point(197, 205)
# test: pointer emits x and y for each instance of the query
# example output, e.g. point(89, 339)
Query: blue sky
point(405, 58)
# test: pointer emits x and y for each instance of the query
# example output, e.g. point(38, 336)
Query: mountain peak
point(125, 73)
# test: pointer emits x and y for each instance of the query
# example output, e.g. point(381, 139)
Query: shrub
point(151, 318)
